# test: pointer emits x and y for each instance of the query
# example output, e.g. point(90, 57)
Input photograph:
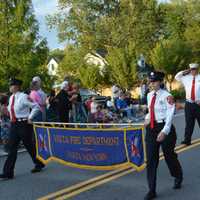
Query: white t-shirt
point(109, 104)
point(115, 91)
point(93, 107)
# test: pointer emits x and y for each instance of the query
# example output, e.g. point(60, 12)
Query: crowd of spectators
point(68, 106)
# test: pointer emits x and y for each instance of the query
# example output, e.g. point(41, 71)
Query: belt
point(21, 119)
point(190, 101)
point(160, 121)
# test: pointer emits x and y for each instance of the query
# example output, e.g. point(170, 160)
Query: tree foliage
point(123, 68)
point(124, 29)
point(89, 76)
point(22, 53)
point(167, 34)
point(171, 56)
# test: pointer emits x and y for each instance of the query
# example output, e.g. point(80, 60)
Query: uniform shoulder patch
point(170, 100)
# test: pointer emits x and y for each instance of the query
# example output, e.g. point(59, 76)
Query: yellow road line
point(188, 147)
point(76, 186)
point(67, 196)
point(99, 180)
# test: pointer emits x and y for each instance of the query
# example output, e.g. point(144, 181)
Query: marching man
point(21, 129)
point(160, 132)
point(191, 82)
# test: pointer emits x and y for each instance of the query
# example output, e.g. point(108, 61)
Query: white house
point(90, 58)
point(97, 60)
point(52, 66)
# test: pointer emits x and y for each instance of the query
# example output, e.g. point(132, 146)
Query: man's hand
point(30, 121)
point(187, 71)
point(146, 122)
point(198, 102)
point(161, 137)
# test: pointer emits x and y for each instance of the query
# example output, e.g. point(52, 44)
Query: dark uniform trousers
point(152, 150)
point(20, 131)
point(192, 112)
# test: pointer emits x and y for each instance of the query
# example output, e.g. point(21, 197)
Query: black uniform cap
point(14, 81)
point(156, 76)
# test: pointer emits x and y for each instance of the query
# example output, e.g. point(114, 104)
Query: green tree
point(57, 53)
point(174, 19)
point(130, 27)
point(181, 31)
point(122, 67)
point(22, 52)
point(192, 33)
point(171, 56)
point(71, 62)
point(89, 76)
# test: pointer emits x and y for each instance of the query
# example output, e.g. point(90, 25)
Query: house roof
point(56, 58)
point(102, 52)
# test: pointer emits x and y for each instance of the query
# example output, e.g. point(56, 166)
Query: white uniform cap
point(193, 65)
point(36, 79)
point(64, 84)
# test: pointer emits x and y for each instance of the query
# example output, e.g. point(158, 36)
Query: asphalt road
point(27, 186)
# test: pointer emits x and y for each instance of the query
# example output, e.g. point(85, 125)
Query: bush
point(178, 94)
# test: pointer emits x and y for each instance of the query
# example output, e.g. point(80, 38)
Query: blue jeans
point(5, 128)
point(38, 117)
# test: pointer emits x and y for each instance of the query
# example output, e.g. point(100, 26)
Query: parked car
point(87, 93)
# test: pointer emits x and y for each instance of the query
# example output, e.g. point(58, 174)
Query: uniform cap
point(194, 65)
point(14, 81)
point(156, 76)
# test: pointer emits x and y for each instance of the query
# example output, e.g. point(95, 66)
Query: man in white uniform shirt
point(191, 82)
point(21, 129)
point(160, 132)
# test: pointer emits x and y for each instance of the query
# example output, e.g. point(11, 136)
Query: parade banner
point(91, 148)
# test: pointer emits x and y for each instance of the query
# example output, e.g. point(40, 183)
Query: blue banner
point(102, 149)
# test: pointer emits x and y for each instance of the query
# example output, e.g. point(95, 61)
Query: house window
point(52, 67)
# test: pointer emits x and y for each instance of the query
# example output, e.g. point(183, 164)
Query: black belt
point(160, 121)
point(21, 119)
point(191, 102)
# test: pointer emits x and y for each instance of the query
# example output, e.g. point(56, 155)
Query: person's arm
point(147, 117)
point(34, 106)
point(42, 96)
point(118, 104)
point(36, 98)
point(73, 98)
point(169, 115)
point(181, 74)
point(9, 104)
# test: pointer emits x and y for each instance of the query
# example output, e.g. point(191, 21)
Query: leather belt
point(190, 101)
point(21, 119)
point(160, 121)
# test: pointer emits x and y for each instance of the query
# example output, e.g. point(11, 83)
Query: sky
point(43, 8)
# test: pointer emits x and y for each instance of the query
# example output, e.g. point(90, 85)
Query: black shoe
point(186, 142)
point(37, 169)
point(150, 195)
point(178, 183)
point(6, 177)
